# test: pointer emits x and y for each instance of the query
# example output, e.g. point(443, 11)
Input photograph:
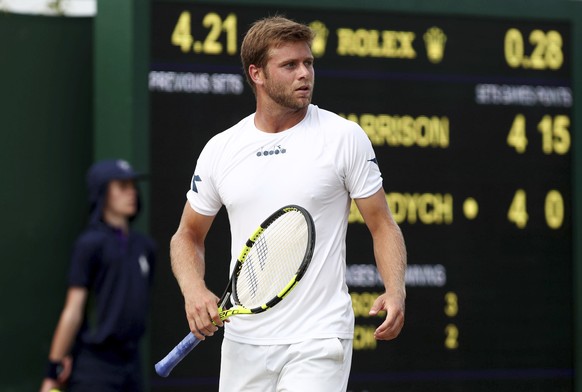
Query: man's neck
point(117, 221)
point(277, 119)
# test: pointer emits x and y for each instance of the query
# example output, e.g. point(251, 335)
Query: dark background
point(513, 286)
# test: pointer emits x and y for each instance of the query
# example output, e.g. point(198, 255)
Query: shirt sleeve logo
point(195, 178)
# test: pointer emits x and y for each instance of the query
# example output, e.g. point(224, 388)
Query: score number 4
point(553, 209)
point(182, 34)
point(555, 134)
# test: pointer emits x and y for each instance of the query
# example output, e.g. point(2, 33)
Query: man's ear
point(256, 74)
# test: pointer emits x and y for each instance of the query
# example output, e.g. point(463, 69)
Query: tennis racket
point(271, 263)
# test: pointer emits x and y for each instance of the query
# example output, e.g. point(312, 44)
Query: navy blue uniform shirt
point(117, 270)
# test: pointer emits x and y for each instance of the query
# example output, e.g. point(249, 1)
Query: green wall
point(46, 67)
point(121, 66)
point(73, 90)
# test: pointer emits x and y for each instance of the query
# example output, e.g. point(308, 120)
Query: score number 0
point(553, 209)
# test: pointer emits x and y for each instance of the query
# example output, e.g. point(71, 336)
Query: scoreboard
point(472, 121)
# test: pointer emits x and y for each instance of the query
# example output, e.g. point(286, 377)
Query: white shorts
point(320, 365)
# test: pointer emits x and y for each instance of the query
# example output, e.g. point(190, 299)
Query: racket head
point(273, 260)
point(300, 236)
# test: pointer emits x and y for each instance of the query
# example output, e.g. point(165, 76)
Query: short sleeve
point(83, 259)
point(363, 177)
point(203, 196)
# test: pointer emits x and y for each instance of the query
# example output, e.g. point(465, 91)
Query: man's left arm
point(390, 255)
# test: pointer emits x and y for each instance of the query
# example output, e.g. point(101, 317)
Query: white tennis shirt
point(319, 164)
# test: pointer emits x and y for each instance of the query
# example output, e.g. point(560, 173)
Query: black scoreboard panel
point(472, 122)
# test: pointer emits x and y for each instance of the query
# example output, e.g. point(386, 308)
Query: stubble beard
point(282, 97)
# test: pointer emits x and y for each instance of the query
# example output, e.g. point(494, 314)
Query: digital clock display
point(471, 119)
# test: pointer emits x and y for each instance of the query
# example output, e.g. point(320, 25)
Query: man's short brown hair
point(267, 33)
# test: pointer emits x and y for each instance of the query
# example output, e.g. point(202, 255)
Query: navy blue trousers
point(105, 371)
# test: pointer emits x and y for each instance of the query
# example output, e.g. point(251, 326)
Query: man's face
point(289, 75)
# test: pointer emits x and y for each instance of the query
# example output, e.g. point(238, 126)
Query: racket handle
point(165, 366)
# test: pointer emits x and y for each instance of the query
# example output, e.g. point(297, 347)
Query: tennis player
point(289, 152)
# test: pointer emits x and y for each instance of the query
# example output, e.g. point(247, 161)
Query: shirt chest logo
point(144, 266)
point(274, 150)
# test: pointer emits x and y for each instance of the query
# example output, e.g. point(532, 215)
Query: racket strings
point(273, 260)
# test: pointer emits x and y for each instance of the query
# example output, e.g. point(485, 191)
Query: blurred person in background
point(95, 346)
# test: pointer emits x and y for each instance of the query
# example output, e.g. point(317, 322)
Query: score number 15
point(210, 43)
point(555, 134)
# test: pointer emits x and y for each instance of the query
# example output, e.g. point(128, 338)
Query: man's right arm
point(188, 266)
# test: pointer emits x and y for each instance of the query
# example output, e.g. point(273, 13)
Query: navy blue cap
point(99, 176)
